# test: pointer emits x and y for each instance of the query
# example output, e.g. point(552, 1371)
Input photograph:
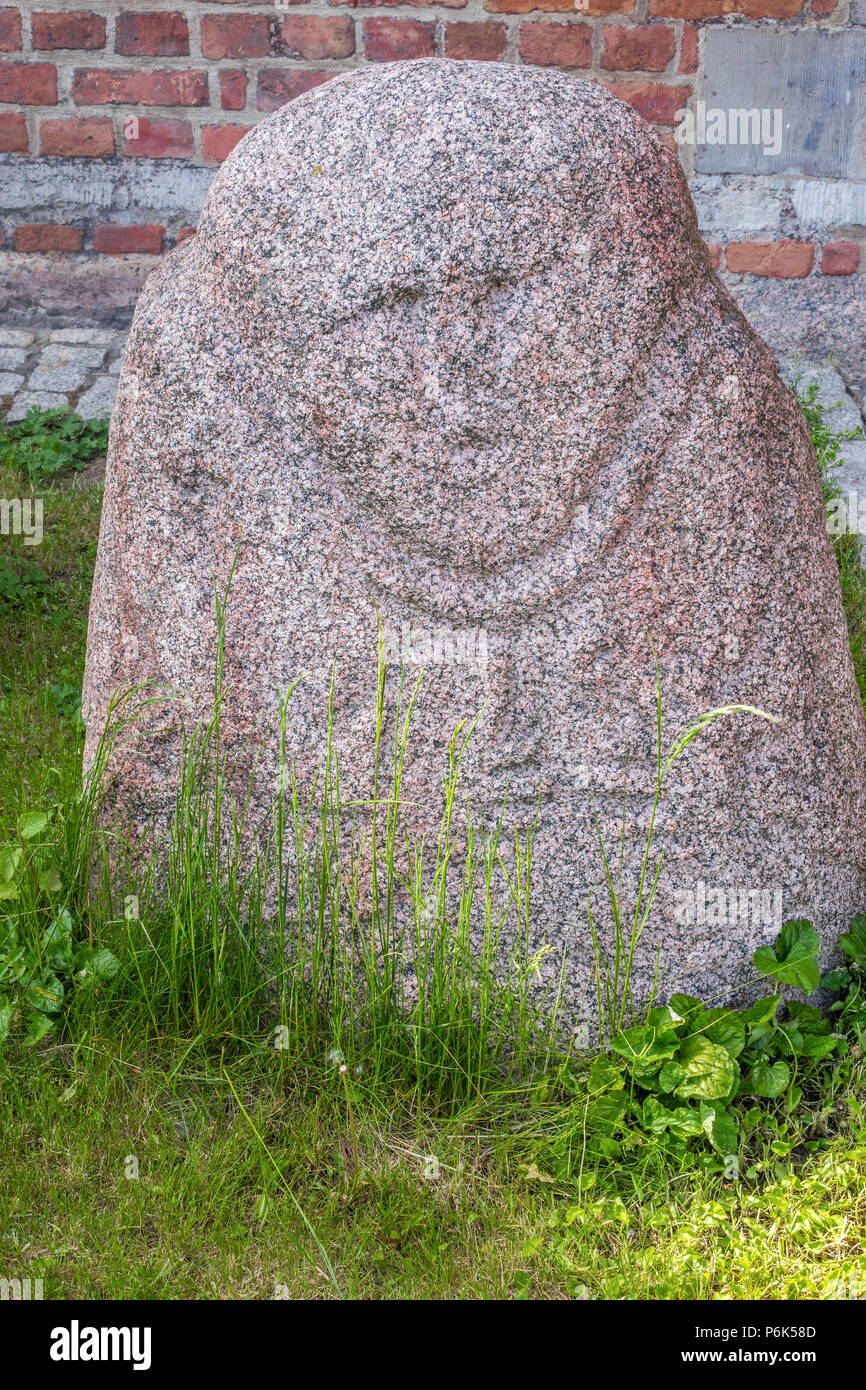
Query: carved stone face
point(447, 417)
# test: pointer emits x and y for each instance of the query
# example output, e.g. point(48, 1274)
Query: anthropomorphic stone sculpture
point(448, 358)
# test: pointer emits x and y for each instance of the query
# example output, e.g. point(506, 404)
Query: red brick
point(584, 7)
point(13, 133)
point(823, 6)
point(28, 84)
point(68, 29)
point(840, 257)
point(169, 139)
point(548, 43)
point(154, 35)
point(134, 87)
point(218, 141)
point(657, 102)
point(233, 89)
point(10, 31)
point(782, 260)
point(464, 39)
point(714, 251)
point(46, 236)
point(711, 9)
point(388, 40)
point(235, 36)
point(637, 48)
point(76, 136)
point(112, 240)
point(689, 49)
point(276, 86)
point(308, 36)
point(184, 234)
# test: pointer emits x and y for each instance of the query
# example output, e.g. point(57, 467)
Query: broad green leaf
point(98, 963)
point(720, 1129)
point(37, 1025)
point(793, 959)
point(10, 858)
point(605, 1114)
point(686, 1005)
point(32, 823)
point(853, 942)
point(45, 995)
point(711, 1072)
point(643, 1048)
point(683, 1120)
point(768, 1079)
point(6, 1012)
point(49, 880)
point(8, 892)
point(604, 1076)
point(670, 1076)
point(725, 1027)
point(665, 1020)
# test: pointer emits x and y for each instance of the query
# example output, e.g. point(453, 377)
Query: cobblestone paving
point(76, 367)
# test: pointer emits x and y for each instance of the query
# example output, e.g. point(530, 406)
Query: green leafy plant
point(40, 959)
point(49, 442)
point(847, 981)
point(677, 1075)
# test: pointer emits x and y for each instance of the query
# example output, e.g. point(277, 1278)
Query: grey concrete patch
point(811, 76)
point(46, 400)
point(98, 402)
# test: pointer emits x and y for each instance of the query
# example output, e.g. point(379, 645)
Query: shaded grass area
point(139, 1163)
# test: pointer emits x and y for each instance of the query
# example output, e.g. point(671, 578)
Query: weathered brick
point(133, 87)
point(689, 49)
point(47, 236)
point(113, 240)
point(68, 29)
point(166, 139)
point(235, 36)
point(90, 137)
point(715, 253)
point(590, 8)
point(276, 86)
point(550, 43)
point(154, 34)
point(712, 9)
point(637, 48)
point(824, 6)
point(781, 260)
point(10, 31)
point(218, 141)
point(28, 84)
point(657, 102)
point(388, 40)
point(13, 133)
point(308, 36)
point(233, 89)
point(485, 41)
point(840, 257)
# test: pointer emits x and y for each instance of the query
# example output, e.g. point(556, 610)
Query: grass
point(161, 1143)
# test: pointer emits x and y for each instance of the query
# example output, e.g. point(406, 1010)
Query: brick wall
point(113, 116)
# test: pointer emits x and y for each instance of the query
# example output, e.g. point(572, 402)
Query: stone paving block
point(832, 391)
point(11, 358)
point(62, 368)
point(98, 402)
point(46, 400)
point(97, 337)
point(10, 382)
point(15, 337)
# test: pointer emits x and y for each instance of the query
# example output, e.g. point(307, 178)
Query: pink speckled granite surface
point(448, 351)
